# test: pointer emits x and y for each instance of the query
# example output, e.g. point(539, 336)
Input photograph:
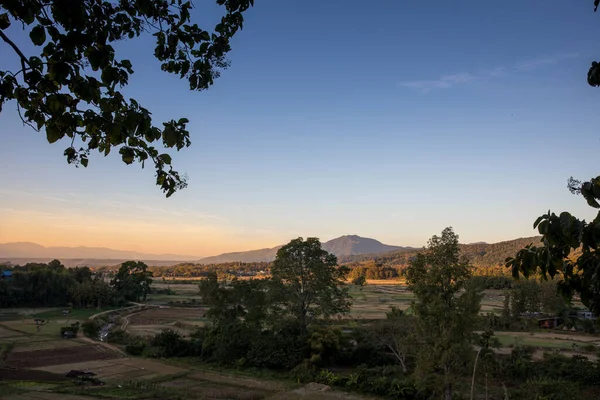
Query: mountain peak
point(349, 245)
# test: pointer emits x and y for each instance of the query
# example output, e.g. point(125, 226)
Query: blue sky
point(387, 119)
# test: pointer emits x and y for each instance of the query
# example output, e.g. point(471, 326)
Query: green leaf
point(38, 35)
point(84, 162)
point(53, 133)
point(127, 155)
point(166, 158)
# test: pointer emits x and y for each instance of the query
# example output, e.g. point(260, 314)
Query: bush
point(169, 344)
point(119, 336)
point(91, 328)
point(136, 349)
point(548, 389)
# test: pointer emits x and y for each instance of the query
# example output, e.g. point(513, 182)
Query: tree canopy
point(133, 281)
point(570, 246)
point(311, 282)
point(446, 307)
point(70, 86)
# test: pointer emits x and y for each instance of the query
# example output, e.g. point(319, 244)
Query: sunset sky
point(386, 119)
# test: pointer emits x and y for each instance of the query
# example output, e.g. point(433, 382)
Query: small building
point(585, 315)
point(7, 274)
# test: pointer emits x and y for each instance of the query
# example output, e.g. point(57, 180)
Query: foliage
point(308, 282)
point(562, 236)
point(325, 344)
point(170, 343)
point(133, 281)
point(547, 389)
point(91, 328)
point(71, 86)
point(446, 309)
point(397, 334)
point(53, 285)
point(360, 280)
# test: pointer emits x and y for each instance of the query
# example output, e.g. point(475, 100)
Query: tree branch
point(24, 59)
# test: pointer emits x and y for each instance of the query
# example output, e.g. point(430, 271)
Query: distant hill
point(352, 245)
point(261, 255)
point(343, 246)
point(26, 250)
point(479, 254)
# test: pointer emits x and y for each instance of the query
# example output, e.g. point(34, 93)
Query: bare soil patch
point(40, 358)
point(160, 316)
point(119, 369)
point(11, 374)
point(239, 381)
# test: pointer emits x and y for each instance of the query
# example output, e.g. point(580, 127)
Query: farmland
point(35, 369)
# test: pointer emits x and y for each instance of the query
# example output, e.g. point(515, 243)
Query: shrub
point(136, 349)
point(119, 336)
point(170, 343)
point(91, 328)
point(548, 389)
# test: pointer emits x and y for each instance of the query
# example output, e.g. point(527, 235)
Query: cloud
point(443, 82)
point(449, 81)
point(540, 62)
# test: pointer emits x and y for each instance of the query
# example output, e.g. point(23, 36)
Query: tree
point(446, 307)
point(309, 281)
point(570, 246)
point(133, 281)
point(396, 334)
point(71, 86)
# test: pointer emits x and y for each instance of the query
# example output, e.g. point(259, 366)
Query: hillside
point(343, 246)
point(261, 255)
point(353, 245)
point(480, 254)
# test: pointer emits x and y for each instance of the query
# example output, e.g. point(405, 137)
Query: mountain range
point(349, 248)
point(347, 245)
point(23, 252)
point(33, 250)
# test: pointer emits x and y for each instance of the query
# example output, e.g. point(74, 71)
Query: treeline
point(191, 270)
point(54, 285)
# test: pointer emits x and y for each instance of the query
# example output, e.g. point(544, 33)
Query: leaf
point(4, 21)
point(84, 162)
point(53, 133)
point(127, 155)
point(38, 35)
point(166, 158)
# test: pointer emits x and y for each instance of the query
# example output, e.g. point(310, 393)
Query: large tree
point(68, 82)
point(446, 309)
point(310, 283)
point(133, 281)
point(570, 247)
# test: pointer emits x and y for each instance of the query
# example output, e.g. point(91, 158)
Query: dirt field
point(160, 316)
point(150, 322)
point(10, 374)
point(119, 369)
point(56, 356)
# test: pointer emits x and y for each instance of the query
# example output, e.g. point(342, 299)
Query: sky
point(389, 119)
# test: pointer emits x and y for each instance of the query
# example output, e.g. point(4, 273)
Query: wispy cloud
point(449, 81)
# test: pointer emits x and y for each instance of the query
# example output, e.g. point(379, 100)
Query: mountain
point(26, 250)
point(260, 255)
point(479, 254)
point(349, 245)
point(343, 246)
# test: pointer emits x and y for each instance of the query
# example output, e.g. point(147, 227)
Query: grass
point(74, 314)
point(508, 340)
